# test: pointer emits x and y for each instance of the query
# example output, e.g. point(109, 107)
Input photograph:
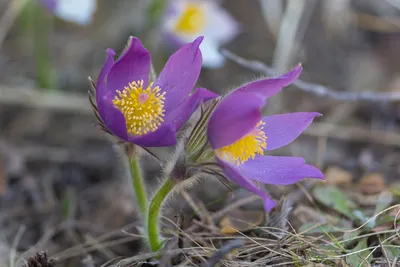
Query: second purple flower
point(239, 136)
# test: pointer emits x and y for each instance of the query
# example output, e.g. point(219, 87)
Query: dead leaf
point(342, 263)
point(337, 176)
point(372, 183)
point(240, 221)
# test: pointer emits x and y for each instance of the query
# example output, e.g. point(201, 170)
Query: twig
point(15, 243)
point(316, 89)
point(384, 251)
point(356, 134)
point(272, 11)
point(291, 32)
point(11, 13)
point(222, 252)
point(68, 102)
point(218, 215)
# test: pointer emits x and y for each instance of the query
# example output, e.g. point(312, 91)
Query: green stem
point(154, 212)
point(40, 25)
point(138, 185)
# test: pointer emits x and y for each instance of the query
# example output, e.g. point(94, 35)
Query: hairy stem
point(138, 185)
point(153, 230)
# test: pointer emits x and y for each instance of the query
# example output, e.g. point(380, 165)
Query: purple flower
point(149, 113)
point(239, 136)
point(78, 11)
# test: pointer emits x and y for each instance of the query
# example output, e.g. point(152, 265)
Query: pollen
point(246, 147)
point(192, 20)
point(143, 109)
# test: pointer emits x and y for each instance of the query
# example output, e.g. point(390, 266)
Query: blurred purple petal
point(278, 170)
point(181, 114)
point(282, 129)
point(163, 136)
point(49, 4)
point(269, 87)
point(133, 65)
point(101, 87)
point(234, 117)
point(235, 176)
point(180, 74)
point(112, 117)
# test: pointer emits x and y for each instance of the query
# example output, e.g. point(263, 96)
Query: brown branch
point(313, 88)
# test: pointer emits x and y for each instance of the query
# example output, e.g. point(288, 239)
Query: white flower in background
point(185, 20)
point(78, 11)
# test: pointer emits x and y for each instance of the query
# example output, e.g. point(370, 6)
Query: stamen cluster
point(247, 147)
point(143, 109)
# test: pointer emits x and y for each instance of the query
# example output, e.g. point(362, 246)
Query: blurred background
point(62, 182)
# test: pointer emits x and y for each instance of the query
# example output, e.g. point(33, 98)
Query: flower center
point(143, 109)
point(192, 19)
point(246, 147)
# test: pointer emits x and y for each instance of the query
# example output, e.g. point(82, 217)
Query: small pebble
point(372, 183)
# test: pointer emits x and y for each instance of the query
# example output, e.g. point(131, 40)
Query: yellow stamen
point(192, 19)
point(143, 109)
point(246, 147)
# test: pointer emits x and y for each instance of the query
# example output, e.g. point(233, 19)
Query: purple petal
point(235, 176)
point(163, 136)
point(115, 122)
point(269, 87)
point(166, 134)
point(101, 87)
point(278, 170)
point(233, 118)
point(112, 117)
point(282, 129)
point(181, 114)
point(180, 74)
point(49, 4)
point(133, 65)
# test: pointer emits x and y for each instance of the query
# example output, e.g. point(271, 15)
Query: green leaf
point(392, 252)
point(361, 258)
point(333, 197)
point(350, 237)
point(383, 202)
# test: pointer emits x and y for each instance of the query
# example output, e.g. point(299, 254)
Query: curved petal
point(181, 114)
point(163, 136)
point(269, 87)
point(235, 176)
point(282, 129)
point(112, 118)
point(278, 170)
point(133, 65)
point(233, 118)
point(180, 74)
point(101, 87)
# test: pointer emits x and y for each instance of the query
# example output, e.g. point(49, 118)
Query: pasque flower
point(78, 11)
point(239, 136)
point(186, 19)
point(149, 113)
